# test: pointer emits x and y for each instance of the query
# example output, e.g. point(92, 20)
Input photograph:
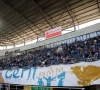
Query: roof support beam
point(1, 41)
point(23, 18)
point(70, 13)
point(13, 29)
point(42, 13)
point(7, 38)
point(10, 10)
point(50, 19)
point(12, 25)
point(98, 5)
point(21, 3)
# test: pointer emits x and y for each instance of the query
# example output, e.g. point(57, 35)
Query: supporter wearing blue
point(66, 53)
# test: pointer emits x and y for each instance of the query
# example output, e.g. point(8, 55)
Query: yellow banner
point(27, 87)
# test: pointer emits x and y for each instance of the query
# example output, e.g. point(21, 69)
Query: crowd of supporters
point(77, 51)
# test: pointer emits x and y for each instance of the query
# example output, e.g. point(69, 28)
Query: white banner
point(80, 74)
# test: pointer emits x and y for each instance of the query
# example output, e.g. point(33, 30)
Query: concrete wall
point(86, 30)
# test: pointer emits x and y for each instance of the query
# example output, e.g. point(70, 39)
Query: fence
point(27, 87)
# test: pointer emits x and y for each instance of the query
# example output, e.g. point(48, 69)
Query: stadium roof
point(25, 20)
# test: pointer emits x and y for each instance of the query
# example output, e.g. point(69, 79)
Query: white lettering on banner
point(57, 75)
point(53, 32)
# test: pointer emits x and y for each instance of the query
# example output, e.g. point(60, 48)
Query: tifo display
point(66, 64)
point(80, 74)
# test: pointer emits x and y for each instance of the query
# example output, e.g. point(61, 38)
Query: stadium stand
point(77, 51)
point(82, 48)
point(43, 47)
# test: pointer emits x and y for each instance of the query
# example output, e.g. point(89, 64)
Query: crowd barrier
point(29, 87)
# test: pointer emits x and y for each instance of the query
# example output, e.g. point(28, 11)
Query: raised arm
point(45, 78)
point(53, 78)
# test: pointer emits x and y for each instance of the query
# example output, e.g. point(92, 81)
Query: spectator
point(78, 51)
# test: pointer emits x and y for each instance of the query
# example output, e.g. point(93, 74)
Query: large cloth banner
point(80, 74)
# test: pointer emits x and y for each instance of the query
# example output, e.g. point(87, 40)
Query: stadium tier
point(87, 50)
point(53, 64)
point(49, 44)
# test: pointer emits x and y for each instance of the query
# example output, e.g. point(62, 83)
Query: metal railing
point(21, 87)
